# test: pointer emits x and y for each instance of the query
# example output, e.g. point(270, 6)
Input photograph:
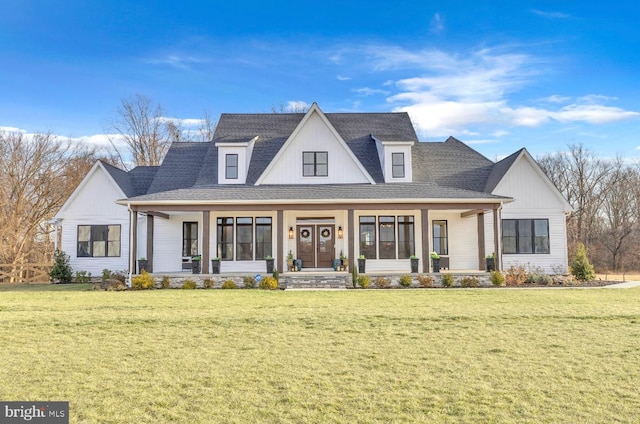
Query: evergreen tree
point(61, 271)
point(581, 268)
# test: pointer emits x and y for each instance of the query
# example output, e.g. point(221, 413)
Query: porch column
point(280, 254)
point(496, 238)
point(149, 243)
point(206, 232)
point(351, 231)
point(133, 241)
point(481, 241)
point(424, 222)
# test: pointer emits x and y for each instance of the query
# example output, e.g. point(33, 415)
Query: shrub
point(82, 277)
point(119, 275)
point(116, 285)
point(189, 284)
point(165, 283)
point(497, 279)
point(249, 282)
point(515, 276)
point(425, 280)
point(276, 275)
point(405, 280)
point(268, 283)
point(364, 281)
point(539, 278)
point(469, 282)
point(61, 270)
point(581, 268)
point(447, 280)
point(143, 281)
point(106, 275)
point(208, 283)
point(381, 282)
point(229, 284)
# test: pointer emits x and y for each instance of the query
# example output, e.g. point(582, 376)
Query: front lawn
point(240, 356)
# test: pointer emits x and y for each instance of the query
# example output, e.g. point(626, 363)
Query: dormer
point(395, 160)
point(234, 157)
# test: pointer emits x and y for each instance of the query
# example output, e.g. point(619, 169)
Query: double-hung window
point(253, 238)
point(315, 164)
point(231, 166)
point(525, 236)
point(397, 165)
point(189, 238)
point(440, 237)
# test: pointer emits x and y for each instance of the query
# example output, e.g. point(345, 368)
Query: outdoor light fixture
point(340, 232)
point(291, 233)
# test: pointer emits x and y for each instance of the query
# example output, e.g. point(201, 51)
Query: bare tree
point(142, 126)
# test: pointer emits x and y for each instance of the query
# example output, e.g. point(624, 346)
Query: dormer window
point(231, 166)
point(315, 164)
point(397, 165)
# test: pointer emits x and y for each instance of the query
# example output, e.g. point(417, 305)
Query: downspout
point(500, 265)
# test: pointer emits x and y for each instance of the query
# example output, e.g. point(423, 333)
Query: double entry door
point(316, 245)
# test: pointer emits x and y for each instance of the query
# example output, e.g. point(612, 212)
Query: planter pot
point(270, 266)
point(215, 266)
point(143, 265)
point(414, 265)
point(195, 266)
point(290, 264)
point(297, 264)
point(336, 264)
point(362, 263)
point(435, 263)
point(491, 264)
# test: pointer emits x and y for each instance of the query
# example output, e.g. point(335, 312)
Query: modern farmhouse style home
point(316, 187)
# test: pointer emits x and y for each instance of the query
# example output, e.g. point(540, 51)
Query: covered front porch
point(245, 237)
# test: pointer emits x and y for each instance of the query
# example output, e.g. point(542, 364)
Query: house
point(317, 185)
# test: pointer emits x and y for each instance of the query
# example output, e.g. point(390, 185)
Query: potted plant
point(343, 261)
point(435, 261)
point(415, 261)
point(362, 262)
point(143, 264)
point(298, 264)
point(290, 261)
point(270, 264)
point(215, 265)
point(195, 264)
point(491, 262)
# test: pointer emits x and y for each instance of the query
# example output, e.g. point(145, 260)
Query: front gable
point(532, 189)
point(315, 134)
point(95, 195)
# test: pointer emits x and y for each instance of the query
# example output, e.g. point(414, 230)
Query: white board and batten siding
point(535, 198)
point(94, 204)
point(315, 136)
point(462, 234)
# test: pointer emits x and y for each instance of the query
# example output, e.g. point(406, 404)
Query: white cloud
point(500, 133)
point(177, 61)
point(341, 78)
point(487, 141)
point(437, 24)
point(366, 91)
point(448, 93)
point(12, 130)
point(296, 106)
point(555, 15)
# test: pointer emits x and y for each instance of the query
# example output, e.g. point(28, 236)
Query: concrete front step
point(314, 281)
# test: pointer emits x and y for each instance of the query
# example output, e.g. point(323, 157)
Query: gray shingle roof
point(334, 192)
point(451, 164)
point(141, 178)
point(122, 178)
point(180, 167)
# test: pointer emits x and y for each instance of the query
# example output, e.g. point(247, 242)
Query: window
point(263, 238)
point(315, 164)
point(387, 228)
point(98, 241)
point(440, 238)
point(397, 165)
point(244, 239)
point(189, 238)
point(368, 237)
point(525, 236)
point(225, 239)
point(406, 238)
point(231, 166)
point(253, 238)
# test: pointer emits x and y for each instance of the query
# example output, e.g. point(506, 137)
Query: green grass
point(240, 356)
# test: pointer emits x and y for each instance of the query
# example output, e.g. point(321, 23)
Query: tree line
point(40, 171)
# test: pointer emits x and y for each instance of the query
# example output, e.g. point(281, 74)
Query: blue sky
point(498, 75)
